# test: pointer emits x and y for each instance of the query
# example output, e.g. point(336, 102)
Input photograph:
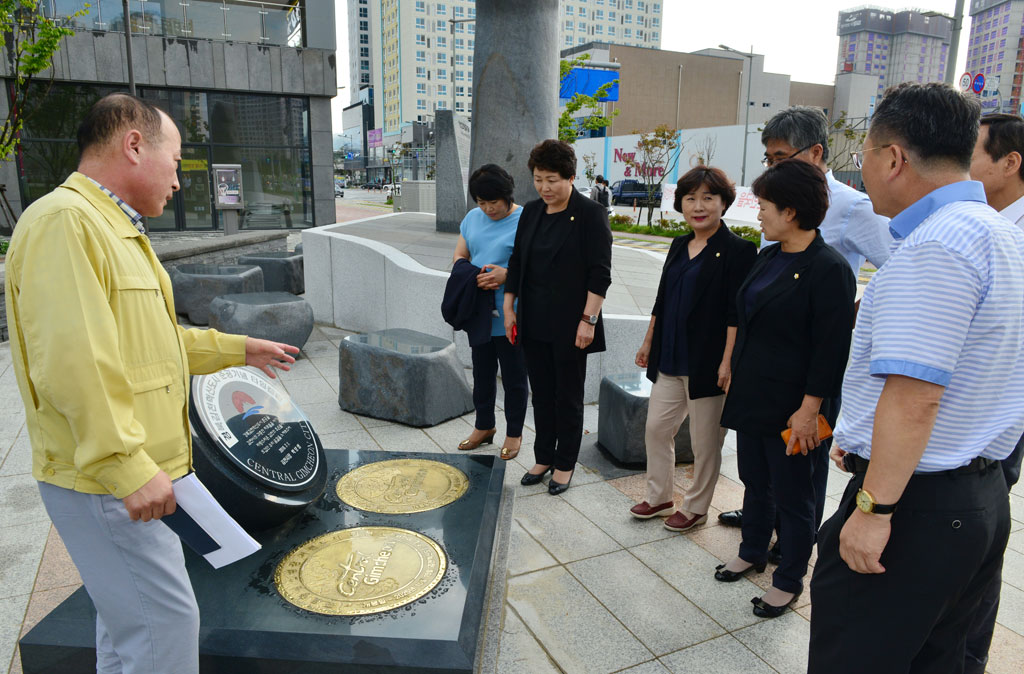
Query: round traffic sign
point(965, 81)
point(978, 85)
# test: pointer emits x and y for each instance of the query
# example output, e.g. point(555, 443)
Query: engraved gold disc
point(402, 486)
point(360, 571)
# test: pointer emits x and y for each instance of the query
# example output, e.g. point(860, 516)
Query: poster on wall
point(227, 180)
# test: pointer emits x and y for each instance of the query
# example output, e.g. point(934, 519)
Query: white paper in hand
point(235, 544)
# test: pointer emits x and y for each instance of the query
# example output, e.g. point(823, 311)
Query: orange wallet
point(824, 432)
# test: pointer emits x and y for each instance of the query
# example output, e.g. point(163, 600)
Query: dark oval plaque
point(258, 428)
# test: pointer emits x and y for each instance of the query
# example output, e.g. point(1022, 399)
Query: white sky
point(797, 38)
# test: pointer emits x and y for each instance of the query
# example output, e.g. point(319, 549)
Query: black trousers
point(983, 623)
point(774, 483)
point(557, 373)
point(486, 358)
point(946, 545)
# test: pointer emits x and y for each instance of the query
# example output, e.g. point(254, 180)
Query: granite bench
point(622, 419)
point(277, 316)
point(195, 286)
point(282, 271)
point(402, 375)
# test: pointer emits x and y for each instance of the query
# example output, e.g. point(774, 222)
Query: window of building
point(581, 26)
point(472, 12)
point(421, 39)
point(627, 32)
point(421, 23)
point(421, 71)
point(364, 78)
point(640, 6)
point(421, 6)
point(442, 73)
point(583, 12)
point(441, 58)
point(364, 65)
point(629, 4)
point(460, 43)
point(654, 36)
point(598, 29)
point(441, 26)
point(628, 18)
point(569, 25)
point(442, 89)
point(460, 75)
point(569, 11)
point(364, 25)
point(611, 15)
point(421, 104)
point(441, 42)
point(460, 59)
point(364, 39)
point(460, 91)
point(421, 56)
point(459, 12)
point(580, 40)
point(421, 88)
point(441, 9)
point(459, 107)
point(362, 13)
point(611, 30)
point(655, 21)
point(599, 15)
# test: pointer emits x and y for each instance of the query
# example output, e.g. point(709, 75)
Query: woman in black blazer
point(688, 347)
point(560, 270)
point(796, 317)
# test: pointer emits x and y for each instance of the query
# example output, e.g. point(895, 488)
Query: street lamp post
point(451, 23)
point(746, 120)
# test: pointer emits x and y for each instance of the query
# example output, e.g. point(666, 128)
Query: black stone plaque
point(253, 448)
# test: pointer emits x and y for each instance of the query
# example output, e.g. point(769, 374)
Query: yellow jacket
point(99, 357)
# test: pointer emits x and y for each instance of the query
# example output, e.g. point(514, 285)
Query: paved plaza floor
point(588, 589)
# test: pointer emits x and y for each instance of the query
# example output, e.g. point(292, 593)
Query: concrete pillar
point(515, 85)
point(452, 135)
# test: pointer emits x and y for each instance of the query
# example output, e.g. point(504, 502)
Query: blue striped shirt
point(947, 308)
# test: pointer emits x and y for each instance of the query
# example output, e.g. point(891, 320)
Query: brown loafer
point(680, 522)
point(645, 511)
point(468, 444)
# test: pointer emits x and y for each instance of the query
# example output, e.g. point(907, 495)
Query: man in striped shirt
point(933, 399)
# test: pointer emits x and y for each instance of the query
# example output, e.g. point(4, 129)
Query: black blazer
point(583, 263)
point(464, 306)
point(727, 260)
point(795, 341)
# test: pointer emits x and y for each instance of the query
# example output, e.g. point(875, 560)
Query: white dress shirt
point(1015, 212)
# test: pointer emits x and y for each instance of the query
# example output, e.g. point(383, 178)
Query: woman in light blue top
point(486, 237)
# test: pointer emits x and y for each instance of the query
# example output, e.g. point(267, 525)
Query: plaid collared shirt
point(132, 214)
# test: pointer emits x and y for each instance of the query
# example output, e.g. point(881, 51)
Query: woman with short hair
point(559, 272)
point(796, 313)
point(486, 236)
point(688, 347)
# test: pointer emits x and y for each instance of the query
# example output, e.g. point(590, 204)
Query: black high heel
point(763, 609)
point(530, 479)
point(556, 488)
point(724, 575)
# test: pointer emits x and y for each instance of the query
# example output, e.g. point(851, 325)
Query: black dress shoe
point(731, 518)
point(726, 576)
point(530, 479)
point(556, 488)
point(763, 609)
point(775, 554)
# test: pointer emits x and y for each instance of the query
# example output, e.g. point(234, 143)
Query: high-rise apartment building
point(418, 61)
point(995, 49)
point(894, 46)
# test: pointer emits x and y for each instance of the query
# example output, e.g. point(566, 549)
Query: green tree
point(592, 107)
point(657, 154)
point(29, 40)
point(845, 136)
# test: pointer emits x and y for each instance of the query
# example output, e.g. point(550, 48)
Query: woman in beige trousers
point(688, 347)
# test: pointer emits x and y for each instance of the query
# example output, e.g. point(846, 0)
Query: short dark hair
point(795, 184)
point(716, 180)
point(599, 179)
point(115, 113)
point(490, 182)
point(1005, 135)
point(934, 121)
point(553, 155)
point(800, 126)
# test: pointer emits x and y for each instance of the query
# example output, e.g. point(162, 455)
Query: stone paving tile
point(635, 488)
point(1011, 609)
point(42, 602)
point(651, 609)
point(12, 612)
point(320, 348)
point(1013, 569)
point(518, 651)
point(395, 438)
point(1006, 655)
point(649, 667)
point(21, 547)
point(300, 369)
point(371, 422)
point(307, 391)
point(561, 529)
point(1016, 541)
point(728, 495)
point(20, 502)
point(579, 633)
point(359, 439)
point(608, 508)
point(724, 655)
point(1017, 507)
point(19, 458)
point(328, 418)
point(781, 642)
point(56, 568)
point(691, 569)
point(525, 554)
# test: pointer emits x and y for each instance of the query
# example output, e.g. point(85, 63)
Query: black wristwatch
point(590, 319)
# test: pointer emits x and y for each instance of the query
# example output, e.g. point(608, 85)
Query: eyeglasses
point(858, 157)
point(768, 162)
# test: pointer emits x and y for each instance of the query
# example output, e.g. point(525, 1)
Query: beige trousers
point(669, 406)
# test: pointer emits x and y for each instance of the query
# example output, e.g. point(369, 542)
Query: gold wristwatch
point(866, 502)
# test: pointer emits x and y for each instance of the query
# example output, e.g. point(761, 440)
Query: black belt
point(857, 464)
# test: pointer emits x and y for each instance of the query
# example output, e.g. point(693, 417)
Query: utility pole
point(954, 41)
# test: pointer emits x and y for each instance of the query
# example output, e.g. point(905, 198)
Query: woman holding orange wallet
point(796, 313)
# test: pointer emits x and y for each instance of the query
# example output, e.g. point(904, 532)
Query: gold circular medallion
point(360, 571)
point(401, 486)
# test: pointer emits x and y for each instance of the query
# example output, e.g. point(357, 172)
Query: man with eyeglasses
point(851, 226)
point(933, 400)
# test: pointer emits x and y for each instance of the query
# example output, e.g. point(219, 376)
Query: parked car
point(625, 191)
point(338, 191)
point(583, 188)
point(372, 186)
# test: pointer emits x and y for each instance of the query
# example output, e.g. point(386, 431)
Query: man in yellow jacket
point(103, 371)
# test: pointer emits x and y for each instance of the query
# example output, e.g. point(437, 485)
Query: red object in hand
point(515, 333)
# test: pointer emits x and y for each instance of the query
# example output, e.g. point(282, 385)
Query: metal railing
point(274, 23)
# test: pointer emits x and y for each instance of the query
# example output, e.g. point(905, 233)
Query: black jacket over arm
point(726, 261)
point(583, 264)
point(794, 342)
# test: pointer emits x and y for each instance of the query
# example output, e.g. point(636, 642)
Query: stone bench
point(402, 375)
point(279, 317)
point(282, 271)
point(622, 419)
point(195, 286)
